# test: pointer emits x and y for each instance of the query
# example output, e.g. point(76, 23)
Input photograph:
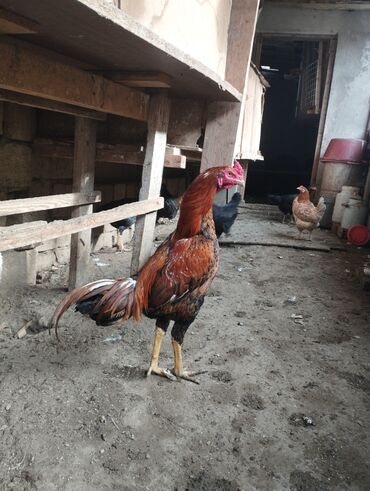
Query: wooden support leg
point(83, 182)
point(224, 119)
point(220, 137)
point(151, 181)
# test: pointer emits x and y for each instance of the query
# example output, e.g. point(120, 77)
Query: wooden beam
point(159, 114)
point(174, 159)
point(242, 26)
point(48, 105)
point(324, 110)
point(11, 239)
point(141, 79)
point(11, 23)
point(83, 182)
point(224, 119)
point(113, 154)
point(28, 72)
point(220, 135)
point(15, 206)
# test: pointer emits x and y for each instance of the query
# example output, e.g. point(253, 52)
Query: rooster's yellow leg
point(154, 368)
point(178, 369)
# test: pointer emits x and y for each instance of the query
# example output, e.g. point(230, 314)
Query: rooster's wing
point(190, 266)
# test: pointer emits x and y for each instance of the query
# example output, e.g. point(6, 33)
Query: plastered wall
point(349, 101)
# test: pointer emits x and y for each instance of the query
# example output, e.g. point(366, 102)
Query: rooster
point(172, 283)
point(306, 215)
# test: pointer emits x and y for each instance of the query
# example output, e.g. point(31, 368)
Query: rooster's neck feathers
point(196, 204)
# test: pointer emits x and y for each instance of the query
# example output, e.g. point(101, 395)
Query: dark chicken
point(169, 210)
point(284, 203)
point(170, 207)
point(225, 216)
point(120, 225)
point(173, 282)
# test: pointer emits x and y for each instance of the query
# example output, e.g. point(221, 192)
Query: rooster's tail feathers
point(105, 301)
point(321, 207)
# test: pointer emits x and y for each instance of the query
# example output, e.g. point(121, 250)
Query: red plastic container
point(358, 235)
point(345, 150)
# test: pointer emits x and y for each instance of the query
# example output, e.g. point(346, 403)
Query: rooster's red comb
point(238, 168)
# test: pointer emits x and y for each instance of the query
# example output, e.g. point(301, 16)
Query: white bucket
point(355, 213)
point(341, 200)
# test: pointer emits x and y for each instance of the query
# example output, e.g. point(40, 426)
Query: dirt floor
point(284, 405)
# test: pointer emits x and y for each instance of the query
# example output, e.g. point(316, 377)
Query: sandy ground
point(82, 415)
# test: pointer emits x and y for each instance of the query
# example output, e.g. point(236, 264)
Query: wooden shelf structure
point(89, 59)
point(114, 154)
point(37, 232)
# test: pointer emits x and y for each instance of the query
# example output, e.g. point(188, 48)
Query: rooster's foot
point(189, 376)
point(123, 249)
point(162, 372)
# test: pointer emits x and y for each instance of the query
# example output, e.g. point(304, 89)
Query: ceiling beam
point(26, 71)
point(11, 23)
point(157, 80)
point(49, 105)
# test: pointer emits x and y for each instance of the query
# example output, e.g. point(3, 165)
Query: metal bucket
point(338, 174)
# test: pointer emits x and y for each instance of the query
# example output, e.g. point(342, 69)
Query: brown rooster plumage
point(173, 282)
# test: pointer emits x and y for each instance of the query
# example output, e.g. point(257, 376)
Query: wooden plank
point(242, 26)
point(224, 119)
point(83, 182)
point(29, 72)
point(140, 79)
point(175, 161)
point(324, 109)
point(295, 245)
point(319, 77)
point(11, 23)
point(113, 154)
point(9, 239)
point(26, 205)
point(48, 105)
point(151, 180)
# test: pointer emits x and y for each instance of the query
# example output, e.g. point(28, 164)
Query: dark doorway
point(296, 72)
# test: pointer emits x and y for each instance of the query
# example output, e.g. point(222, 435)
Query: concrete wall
point(349, 101)
point(199, 28)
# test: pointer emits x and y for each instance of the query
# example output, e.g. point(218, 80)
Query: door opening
point(295, 106)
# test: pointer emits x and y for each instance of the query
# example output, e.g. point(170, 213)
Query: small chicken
point(306, 215)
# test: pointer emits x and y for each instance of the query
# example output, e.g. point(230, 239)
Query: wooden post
point(83, 182)
point(159, 113)
point(223, 128)
point(324, 109)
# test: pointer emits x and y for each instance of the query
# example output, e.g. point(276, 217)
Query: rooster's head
point(230, 176)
